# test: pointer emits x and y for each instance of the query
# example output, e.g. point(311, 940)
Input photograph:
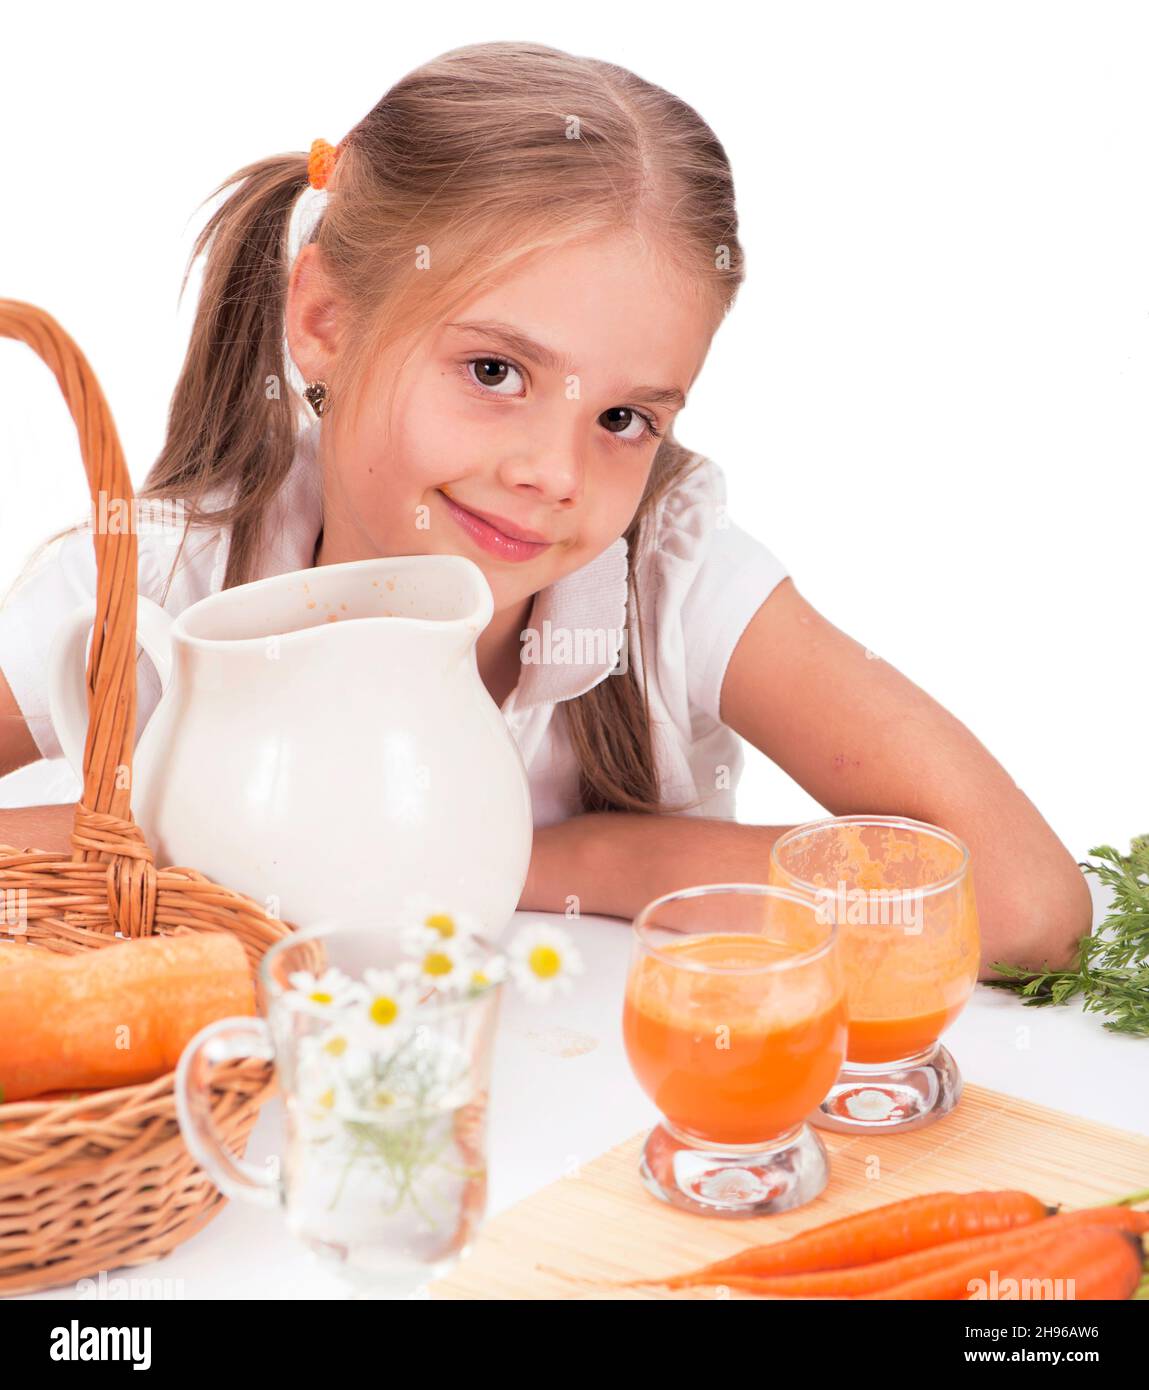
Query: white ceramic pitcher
point(324, 742)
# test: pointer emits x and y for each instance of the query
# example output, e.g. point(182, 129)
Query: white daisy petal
point(543, 960)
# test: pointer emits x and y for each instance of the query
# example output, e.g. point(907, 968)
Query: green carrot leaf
point(1111, 970)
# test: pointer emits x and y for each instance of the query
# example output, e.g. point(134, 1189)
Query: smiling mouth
point(489, 537)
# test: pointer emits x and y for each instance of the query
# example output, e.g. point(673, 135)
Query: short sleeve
point(714, 576)
point(734, 580)
point(31, 614)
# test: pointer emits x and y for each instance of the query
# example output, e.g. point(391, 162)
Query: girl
point(512, 286)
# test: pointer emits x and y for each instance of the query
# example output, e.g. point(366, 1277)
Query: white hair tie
point(305, 215)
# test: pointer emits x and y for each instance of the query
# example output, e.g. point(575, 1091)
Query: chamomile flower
point(482, 974)
point(330, 991)
point(544, 961)
point(388, 1004)
point(333, 1052)
point(445, 966)
point(317, 1088)
point(324, 1102)
point(429, 921)
point(342, 1050)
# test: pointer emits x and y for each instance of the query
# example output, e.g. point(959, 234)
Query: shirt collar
point(576, 631)
point(577, 628)
point(294, 519)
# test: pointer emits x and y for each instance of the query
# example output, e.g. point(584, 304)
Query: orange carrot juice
point(739, 1057)
point(905, 990)
point(903, 900)
point(890, 1039)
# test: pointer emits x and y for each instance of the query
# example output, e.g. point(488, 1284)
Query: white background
point(930, 399)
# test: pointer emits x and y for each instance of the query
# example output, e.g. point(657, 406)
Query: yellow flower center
point(335, 1046)
point(443, 923)
point(384, 1011)
point(545, 961)
point(327, 1099)
point(479, 978)
point(437, 963)
point(320, 996)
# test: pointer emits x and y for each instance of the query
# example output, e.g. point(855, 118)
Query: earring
point(315, 393)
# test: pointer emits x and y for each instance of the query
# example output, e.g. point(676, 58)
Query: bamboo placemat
point(601, 1224)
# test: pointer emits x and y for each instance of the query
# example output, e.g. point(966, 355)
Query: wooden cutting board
point(601, 1224)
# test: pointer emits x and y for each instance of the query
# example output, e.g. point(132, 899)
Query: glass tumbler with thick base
point(735, 1026)
point(901, 894)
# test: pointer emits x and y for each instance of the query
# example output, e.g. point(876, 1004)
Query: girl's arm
point(27, 827)
point(861, 737)
point(612, 863)
point(17, 746)
point(47, 828)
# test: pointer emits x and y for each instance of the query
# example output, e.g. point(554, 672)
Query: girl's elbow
point(1040, 926)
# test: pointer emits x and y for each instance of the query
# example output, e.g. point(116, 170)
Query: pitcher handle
point(225, 1040)
point(67, 697)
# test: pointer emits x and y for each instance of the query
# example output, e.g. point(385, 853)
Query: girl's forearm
point(612, 863)
point(47, 828)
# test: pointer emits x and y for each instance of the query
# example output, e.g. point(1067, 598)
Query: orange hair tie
point(321, 161)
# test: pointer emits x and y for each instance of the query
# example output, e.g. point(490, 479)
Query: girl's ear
point(311, 315)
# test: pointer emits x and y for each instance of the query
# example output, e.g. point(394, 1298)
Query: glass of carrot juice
point(735, 1026)
point(901, 894)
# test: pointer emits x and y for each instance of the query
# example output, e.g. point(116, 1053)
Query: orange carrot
point(113, 1016)
point(884, 1274)
point(1110, 1268)
point(1101, 1262)
point(879, 1234)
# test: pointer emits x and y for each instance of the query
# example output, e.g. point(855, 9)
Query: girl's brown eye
point(611, 420)
point(490, 372)
point(620, 419)
point(495, 375)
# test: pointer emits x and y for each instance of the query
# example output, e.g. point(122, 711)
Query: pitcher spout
point(446, 597)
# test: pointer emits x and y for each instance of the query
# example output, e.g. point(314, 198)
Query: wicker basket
point(105, 1180)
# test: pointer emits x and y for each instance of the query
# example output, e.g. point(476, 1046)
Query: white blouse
point(701, 579)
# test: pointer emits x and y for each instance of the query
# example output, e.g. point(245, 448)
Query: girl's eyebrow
point(515, 341)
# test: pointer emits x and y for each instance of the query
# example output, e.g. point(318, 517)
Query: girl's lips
point(494, 541)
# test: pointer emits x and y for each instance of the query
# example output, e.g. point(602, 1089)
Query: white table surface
point(562, 1092)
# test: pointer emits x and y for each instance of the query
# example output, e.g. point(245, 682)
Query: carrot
point(114, 1016)
point(1102, 1262)
point(1110, 1268)
point(897, 1228)
point(885, 1274)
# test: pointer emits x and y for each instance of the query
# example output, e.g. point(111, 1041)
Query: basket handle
point(103, 827)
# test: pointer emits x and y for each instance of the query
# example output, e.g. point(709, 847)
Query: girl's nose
point(554, 475)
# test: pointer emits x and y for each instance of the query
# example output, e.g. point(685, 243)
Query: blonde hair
point(470, 154)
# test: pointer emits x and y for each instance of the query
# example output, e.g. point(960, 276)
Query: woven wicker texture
point(105, 1180)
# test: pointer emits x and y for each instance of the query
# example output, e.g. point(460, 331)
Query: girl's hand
point(555, 869)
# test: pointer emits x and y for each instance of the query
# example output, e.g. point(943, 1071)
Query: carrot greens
point(1111, 972)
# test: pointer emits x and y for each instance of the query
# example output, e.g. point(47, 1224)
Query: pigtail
point(233, 419)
